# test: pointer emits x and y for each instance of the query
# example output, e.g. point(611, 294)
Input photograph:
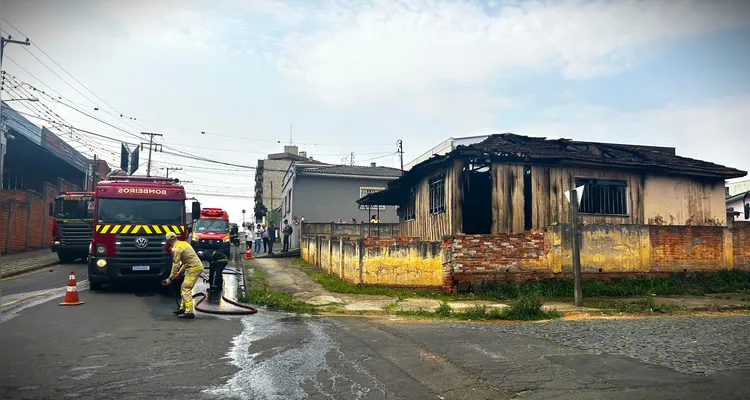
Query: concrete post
point(361, 256)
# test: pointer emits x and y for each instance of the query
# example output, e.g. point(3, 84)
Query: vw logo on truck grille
point(141, 242)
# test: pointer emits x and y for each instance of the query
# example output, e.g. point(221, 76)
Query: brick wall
point(500, 253)
point(741, 244)
point(679, 248)
point(24, 215)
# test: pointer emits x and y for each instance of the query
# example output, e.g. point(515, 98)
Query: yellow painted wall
point(304, 254)
point(325, 254)
point(611, 248)
point(671, 200)
point(336, 258)
point(351, 262)
point(401, 266)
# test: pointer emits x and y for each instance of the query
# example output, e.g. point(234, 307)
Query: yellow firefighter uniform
point(185, 262)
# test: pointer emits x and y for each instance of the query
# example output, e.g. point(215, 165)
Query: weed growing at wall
point(259, 293)
point(698, 283)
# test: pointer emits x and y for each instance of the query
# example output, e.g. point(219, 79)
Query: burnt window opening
point(437, 194)
point(476, 197)
point(603, 196)
point(528, 220)
point(409, 212)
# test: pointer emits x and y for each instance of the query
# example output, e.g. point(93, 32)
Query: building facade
point(329, 193)
point(511, 184)
point(269, 177)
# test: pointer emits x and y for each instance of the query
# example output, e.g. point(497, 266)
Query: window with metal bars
point(603, 196)
point(409, 211)
point(437, 194)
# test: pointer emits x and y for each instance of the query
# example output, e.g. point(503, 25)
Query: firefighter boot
point(186, 316)
point(178, 312)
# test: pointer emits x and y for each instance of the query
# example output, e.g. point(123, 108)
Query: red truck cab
point(212, 231)
point(132, 216)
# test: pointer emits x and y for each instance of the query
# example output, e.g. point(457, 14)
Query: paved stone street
point(694, 345)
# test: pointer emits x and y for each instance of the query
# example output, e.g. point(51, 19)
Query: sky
point(225, 80)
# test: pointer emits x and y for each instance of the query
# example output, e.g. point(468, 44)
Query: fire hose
point(246, 309)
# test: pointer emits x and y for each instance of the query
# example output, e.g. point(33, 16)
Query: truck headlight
point(101, 250)
point(226, 240)
point(101, 263)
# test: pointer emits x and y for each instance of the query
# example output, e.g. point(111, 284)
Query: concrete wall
point(350, 230)
point(607, 251)
point(672, 200)
point(390, 262)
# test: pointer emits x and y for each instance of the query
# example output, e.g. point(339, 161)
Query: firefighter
point(217, 261)
point(185, 263)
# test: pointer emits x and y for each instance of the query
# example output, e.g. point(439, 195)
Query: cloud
point(383, 50)
point(714, 131)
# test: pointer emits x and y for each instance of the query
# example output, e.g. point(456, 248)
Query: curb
point(19, 271)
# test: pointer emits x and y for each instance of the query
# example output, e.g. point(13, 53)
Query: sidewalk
point(284, 276)
point(14, 264)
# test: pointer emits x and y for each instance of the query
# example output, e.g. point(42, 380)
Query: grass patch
point(645, 305)
point(259, 293)
point(526, 308)
point(699, 283)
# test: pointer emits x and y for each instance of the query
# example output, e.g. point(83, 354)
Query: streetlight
point(243, 218)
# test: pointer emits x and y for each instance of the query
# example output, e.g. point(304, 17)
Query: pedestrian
point(217, 261)
point(287, 231)
point(271, 237)
point(341, 220)
point(258, 238)
point(374, 219)
point(264, 236)
point(187, 265)
point(249, 237)
point(354, 220)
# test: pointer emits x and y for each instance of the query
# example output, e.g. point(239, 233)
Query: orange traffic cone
point(71, 295)
point(248, 254)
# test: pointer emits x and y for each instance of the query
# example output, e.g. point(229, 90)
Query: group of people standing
point(266, 237)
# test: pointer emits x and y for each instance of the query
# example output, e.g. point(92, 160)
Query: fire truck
point(133, 214)
point(73, 217)
point(212, 231)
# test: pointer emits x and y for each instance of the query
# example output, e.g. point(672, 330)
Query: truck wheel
point(65, 258)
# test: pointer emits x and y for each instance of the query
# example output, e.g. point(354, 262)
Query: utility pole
point(576, 250)
point(401, 154)
point(151, 145)
point(93, 176)
point(173, 169)
point(351, 159)
point(4, 136)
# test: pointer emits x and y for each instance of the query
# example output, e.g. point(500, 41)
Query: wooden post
point(578, 290)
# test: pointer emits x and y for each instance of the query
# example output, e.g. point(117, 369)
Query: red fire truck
point(133, 215)
point(212, 231)
point(72, 214)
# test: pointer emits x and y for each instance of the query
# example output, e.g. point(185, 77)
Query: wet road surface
point(124, 343)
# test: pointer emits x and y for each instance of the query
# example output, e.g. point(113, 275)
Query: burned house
point(510, 183)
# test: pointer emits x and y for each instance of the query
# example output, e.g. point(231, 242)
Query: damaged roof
point(513, 148)
point(353, 170)
point(543, 150)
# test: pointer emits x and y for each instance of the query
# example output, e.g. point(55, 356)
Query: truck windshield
point(140, 211)
point(212, 225)
point(73, 208)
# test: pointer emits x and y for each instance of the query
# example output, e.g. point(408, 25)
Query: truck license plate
point(141, 267)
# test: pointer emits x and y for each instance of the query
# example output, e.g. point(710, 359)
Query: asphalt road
point(124, 343)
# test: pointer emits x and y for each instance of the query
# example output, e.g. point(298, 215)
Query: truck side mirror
point(196, 209)
point(190, 229)
point(234, 230)
point(51, 210)
point(747, 211)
